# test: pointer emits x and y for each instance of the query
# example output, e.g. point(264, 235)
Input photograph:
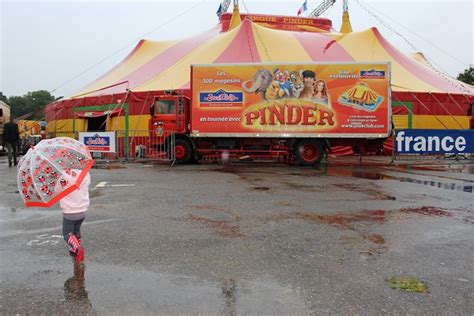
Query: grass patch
point(407, 284)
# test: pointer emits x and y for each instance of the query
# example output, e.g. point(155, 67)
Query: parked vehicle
point(28, 141)
point(276, 110)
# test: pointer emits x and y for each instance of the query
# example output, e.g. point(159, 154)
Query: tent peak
point(346, 26)
point(235, 20)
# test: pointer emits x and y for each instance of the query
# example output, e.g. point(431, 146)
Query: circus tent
point(422, 97)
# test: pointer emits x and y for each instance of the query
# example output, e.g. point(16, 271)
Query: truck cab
point(169, 125)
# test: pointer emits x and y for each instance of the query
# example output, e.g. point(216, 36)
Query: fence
point(134, 145)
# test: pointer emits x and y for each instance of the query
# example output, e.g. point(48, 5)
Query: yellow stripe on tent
point(178, 74)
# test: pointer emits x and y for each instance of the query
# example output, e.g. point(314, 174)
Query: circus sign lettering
point(99, 141)
point(372, 74)
point(291, 99)
point(302, 115)
point(221, 98)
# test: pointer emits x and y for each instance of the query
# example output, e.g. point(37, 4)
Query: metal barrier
point(420, 157)
point(141, 145)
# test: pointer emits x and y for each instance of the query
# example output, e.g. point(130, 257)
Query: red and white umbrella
point(51, 170)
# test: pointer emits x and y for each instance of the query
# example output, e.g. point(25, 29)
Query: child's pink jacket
point(78, 200)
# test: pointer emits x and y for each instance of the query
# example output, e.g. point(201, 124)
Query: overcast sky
point(61, 46)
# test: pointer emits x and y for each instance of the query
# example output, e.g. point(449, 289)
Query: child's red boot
point(80, 254)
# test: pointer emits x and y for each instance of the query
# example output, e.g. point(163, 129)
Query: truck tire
point(183, 151)
point(309, 152)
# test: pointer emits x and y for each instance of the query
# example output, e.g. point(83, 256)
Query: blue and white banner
point(98, 141)
point(434, 141)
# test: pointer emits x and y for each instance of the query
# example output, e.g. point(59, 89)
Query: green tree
point(467, 76)
point(33, 102)
point(17, 106)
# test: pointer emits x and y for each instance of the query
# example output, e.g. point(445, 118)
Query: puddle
point(122, 290)
point(229, 291)
point(458, 168)
point(375, 194)
point(155, 293)
point(441, 185)
point(75, 291)
point(247, 174)
point(372, 175)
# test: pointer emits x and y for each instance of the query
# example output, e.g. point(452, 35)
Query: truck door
point(170, 113)
point(165, 113)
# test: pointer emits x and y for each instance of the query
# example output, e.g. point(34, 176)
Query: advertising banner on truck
point(287, 100)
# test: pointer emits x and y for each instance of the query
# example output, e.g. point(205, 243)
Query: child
point(74, 207)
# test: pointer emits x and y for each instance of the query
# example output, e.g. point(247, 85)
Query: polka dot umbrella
point(51, 170)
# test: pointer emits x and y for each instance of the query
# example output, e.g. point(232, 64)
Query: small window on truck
point(165, 107)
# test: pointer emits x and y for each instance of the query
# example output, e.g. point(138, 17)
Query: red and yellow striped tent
point(422, 97)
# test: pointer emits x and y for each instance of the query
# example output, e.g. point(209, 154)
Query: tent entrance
point(96, 117)
point(96, 124)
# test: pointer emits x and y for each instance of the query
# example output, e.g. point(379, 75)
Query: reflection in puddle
point(229, 289)
point(441, 185)
point(372, 175)
point(145, 292)
point(376, 194)
point(460, 168)
point(75, 291)
point(246, 173)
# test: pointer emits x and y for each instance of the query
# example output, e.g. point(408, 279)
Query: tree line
point(33, 102)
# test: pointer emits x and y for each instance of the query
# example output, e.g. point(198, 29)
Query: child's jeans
point(72, 224)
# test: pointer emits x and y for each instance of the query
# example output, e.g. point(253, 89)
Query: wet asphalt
point(248, 239)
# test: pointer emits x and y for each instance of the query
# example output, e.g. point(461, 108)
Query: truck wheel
point(309, 152)
point(182, 151)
